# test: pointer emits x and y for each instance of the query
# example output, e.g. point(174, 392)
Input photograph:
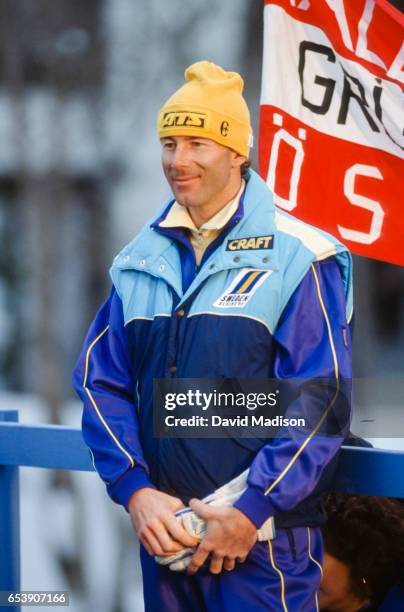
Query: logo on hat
point(183, 119)
point(224, 128)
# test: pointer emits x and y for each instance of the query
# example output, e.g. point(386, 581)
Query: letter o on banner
point(282, 135)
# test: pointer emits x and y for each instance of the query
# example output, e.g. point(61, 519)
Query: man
point(218, 285)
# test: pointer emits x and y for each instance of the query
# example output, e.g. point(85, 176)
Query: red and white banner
point(331, 143)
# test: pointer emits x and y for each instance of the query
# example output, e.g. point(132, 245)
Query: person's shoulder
point(123, 257)
point(146, 241)
point(394, 600)
point(306, 236)
point(293, 235)
point(296, 244)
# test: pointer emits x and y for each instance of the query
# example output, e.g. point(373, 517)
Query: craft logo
point(184, 119)
point(242, 288)
point(251, 244)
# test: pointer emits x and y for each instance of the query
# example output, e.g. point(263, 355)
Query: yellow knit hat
point(209, 105)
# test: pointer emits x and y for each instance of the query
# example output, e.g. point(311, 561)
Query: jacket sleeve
point(102, 378)
point(312, 344)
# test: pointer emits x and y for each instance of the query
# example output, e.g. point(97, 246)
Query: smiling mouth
point(184, 180)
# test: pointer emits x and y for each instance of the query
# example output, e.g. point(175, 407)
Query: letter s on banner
point(363, 202)
point(295, 143)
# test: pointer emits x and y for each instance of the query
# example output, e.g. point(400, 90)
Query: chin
point(184, 200)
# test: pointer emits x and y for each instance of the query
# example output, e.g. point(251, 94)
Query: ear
point(237, 160)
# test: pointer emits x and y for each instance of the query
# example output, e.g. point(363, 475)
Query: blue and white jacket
point(278, 307)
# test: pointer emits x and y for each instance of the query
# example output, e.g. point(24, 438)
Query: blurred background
point(80, 87)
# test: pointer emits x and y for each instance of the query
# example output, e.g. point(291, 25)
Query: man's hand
point(229, 538)
point(153, 518)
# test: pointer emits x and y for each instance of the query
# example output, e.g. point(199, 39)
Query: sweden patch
point(242, 288)
point(254, 243)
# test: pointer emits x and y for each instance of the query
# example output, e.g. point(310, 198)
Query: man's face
point(335, 589)
point(200, 171)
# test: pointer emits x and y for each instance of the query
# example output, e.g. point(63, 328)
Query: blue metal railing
point(365, 471)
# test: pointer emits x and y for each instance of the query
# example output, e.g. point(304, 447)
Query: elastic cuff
point(254, 504)
point(122, 489)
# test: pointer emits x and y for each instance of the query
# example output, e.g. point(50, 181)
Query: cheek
point(166, 171)
point(334, 589)
point(328, 598)
point(166, 159)
point(220, 173)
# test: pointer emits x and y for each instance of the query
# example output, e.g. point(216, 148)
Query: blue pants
point(283, 575)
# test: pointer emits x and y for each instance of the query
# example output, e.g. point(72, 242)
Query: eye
point(168, 145)
point(197, 143)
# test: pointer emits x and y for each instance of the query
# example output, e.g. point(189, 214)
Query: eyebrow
point(172, 138)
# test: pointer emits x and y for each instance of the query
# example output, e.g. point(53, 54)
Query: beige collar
point(179, 216)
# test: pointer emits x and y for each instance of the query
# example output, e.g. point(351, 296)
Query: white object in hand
point(224, 497)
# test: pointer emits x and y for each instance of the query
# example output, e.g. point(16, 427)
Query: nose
point(179, 157)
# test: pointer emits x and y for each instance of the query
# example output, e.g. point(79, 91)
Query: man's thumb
point(204, 510)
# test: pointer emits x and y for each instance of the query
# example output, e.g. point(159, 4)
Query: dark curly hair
point(367, 534)
point(244, 167)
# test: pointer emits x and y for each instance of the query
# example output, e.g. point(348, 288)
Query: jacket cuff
point(255, 505)
point(121, 490)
